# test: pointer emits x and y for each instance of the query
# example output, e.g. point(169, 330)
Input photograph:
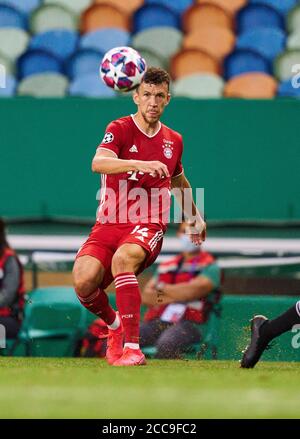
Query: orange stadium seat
point(217, 41)
point(206, 15)
point(128, 6)
point(231, 6)
point(189, 61)
point(254, 85)
point(104, 15)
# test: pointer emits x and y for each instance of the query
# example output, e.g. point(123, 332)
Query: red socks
point(98, 304)
point(128, 300)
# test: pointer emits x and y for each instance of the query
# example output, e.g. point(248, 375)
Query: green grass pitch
point(89, 388)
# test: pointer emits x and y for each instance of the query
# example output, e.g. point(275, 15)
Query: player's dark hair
point(156, 75)
point(3, 242)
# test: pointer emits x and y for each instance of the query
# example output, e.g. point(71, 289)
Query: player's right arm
point(106, 162)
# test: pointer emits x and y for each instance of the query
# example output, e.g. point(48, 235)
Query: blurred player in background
point(263, 331)
point(12, 288)
point(140, 161)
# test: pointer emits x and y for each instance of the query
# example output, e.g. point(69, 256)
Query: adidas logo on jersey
point(133, 149)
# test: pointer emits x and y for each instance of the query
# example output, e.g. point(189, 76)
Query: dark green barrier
point(244, 153)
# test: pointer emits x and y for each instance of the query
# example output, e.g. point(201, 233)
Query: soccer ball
point(122, 68)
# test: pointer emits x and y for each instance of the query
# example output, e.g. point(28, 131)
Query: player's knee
point(84, 282)
point(120, 263)
point(127, 259)
point(84, 287)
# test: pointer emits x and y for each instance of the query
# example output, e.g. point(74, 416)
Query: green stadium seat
point(293, 40)
point(14, 42)
point(163, 41)
point(44, 85)
point(293, 20)
point(76, 6)
point(53, 321)
point(152, 59)
point(199, 85)
point(283, 64)
point(7, 64)
point(50, 17)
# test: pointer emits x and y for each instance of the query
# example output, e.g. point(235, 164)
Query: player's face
point(151, 100)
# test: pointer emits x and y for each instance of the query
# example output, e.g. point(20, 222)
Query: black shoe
point(257, 344)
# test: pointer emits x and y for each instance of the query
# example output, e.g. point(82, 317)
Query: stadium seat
point(293, 40)
point(7, 64)
point(288, 89)
point(11, 17)
point(217, 41)
point(153, 59)
point(253, 16)
point(282, 6)
point(231, 6)
point(76, 6)
point(83, 62)
point(104, 39)
point(190, 61)
point(91, 86)
point(103, 16)
point(200, 85)
point(293, 20)
point(61, 43)
point(164, 41)
point(251, 86)
point(44, 85)
point(37, 61)
point(9, 89)
point(245, 61)
point(52, 314)
point(269, 42)
point(178, 6)
point(128, 7)
point(206, 15)
point(284, 64)
point(25, 6)
point(13, 42)
point(50, 17)
point(155, 15)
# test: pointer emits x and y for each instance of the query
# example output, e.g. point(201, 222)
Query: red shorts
point(105, 239)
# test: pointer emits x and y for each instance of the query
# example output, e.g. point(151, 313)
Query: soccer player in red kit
point(139, 161)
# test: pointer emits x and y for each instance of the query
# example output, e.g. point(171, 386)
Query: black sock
point(283, 323)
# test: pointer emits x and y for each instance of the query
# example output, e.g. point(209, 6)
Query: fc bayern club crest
point(168, 152)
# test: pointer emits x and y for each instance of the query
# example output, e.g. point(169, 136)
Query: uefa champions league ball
point(122, 68)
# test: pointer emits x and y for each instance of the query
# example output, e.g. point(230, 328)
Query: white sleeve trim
point(101, 147)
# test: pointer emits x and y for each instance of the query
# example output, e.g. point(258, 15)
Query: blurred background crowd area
point(212, 48)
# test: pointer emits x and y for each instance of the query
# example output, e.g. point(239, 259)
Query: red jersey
point(135, 197)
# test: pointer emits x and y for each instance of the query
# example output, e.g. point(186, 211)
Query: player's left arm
point(197, 288)
point(183, 193)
